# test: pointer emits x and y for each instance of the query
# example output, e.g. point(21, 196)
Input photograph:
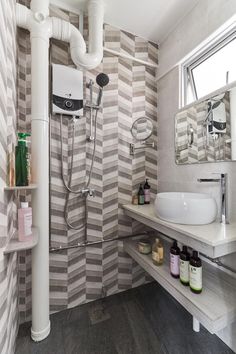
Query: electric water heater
point(67, 90)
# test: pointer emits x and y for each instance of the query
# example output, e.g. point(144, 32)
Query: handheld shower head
point(102, 80)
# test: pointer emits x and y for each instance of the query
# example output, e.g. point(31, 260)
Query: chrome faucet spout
point(223, 192)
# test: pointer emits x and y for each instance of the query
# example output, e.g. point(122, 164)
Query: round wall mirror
point(142, 128)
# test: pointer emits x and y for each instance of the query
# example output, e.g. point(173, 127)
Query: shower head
point(102, 80)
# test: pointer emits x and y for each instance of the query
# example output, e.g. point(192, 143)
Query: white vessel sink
point(186, 208)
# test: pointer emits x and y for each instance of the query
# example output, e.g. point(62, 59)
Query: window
point(210, 69)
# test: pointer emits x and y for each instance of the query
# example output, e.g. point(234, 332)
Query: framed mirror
point(205, 131)
point(142, 129)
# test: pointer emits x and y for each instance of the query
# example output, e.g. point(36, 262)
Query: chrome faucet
point(223, 192)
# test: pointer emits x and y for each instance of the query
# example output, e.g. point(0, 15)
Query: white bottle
point(24, 222)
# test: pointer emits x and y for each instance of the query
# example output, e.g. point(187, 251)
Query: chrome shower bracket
point(91, 107)
point(144, 145)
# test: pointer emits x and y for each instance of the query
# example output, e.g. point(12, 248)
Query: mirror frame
point(136, 120)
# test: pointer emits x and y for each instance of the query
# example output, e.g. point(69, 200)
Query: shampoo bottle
point(147, 192)
point(184, 266)
point(195, 276)
point(24, 222)
point(174, 260)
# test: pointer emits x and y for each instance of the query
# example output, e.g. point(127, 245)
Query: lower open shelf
point(14, 245)
point(214, 308)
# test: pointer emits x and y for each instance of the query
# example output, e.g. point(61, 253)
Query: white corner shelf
point(213, 240)
point(14, 245)
point(21, 188)
point(214, 308)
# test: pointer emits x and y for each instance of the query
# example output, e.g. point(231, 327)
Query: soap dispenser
point(174, 260)
point(195, 270)
point(184, 266)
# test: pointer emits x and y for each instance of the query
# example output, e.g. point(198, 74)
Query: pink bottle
point(24, 222)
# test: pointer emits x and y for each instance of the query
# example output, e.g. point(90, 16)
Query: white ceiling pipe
point(64, 31)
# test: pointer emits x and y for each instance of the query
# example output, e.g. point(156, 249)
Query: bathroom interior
point(117, 193)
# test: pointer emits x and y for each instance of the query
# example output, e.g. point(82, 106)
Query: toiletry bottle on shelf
point(195, 273)
point(21, 160)
point(135, 199)
point(174, 260)
point(11, 169)
point(157, 252)
point(28, 159)
point(147, 196)
point(141, 195)
point(24, 222)
point(184, 266)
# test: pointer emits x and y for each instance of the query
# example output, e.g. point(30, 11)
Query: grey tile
point(144, 320)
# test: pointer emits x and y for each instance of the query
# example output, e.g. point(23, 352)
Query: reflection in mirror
point(206, 130)
point(142, 129)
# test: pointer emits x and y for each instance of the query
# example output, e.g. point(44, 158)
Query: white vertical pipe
point(196, 325)
point(40, 175)
point(41, 28)
point(233, 122)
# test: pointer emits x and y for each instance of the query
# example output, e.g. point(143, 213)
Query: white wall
point(204, 19)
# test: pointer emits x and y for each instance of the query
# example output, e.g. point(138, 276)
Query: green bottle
point(21, 160)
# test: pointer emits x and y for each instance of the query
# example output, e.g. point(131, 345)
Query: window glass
point(216, 71)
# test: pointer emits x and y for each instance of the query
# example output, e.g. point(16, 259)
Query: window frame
point(208, 48)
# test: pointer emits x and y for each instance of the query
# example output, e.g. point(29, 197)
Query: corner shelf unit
point(14, 245)
point(214, 308)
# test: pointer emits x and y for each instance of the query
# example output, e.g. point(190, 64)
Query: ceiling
point(150, 19)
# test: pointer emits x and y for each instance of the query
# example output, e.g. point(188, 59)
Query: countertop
point(220, 238)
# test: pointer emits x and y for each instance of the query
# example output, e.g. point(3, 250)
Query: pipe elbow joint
point(86, 61)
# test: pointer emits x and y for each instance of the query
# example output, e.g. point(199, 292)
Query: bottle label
point(195, 277)
point(158, 255)
point(147, 195)
point(28, 224)
point(155, 256)
point(141, 199)
point(184, 271)
point(161, 252)
point(174, 264)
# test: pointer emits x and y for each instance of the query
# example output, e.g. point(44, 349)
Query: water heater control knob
point(68, 103)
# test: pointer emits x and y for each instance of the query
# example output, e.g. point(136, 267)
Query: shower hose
point(70, 190)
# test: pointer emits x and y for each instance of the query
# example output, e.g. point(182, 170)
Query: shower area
point(82, 274)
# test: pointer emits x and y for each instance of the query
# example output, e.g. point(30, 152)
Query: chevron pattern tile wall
point(8, 264)
point(81, 275)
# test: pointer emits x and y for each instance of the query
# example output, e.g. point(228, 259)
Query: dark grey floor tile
point(144, 320)
point(54, 344)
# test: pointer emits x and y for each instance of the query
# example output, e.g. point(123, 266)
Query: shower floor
point(144, 320)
